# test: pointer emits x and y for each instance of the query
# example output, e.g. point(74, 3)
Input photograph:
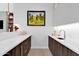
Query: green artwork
point(36, 18)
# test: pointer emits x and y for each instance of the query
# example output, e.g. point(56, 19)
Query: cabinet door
point(14, 52)
point(59, 49)
point(18, 50)
point(55, 48)
point(22, 48)
point(64, 50)
point(50, 43)
point(25, 47)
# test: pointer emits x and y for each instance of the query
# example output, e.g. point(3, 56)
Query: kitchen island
point(16, 46)
point(66, 47)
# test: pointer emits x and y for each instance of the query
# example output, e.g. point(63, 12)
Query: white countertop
point(73, 45)
point(10, 43)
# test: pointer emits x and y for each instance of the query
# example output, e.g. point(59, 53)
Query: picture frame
point(35, 18)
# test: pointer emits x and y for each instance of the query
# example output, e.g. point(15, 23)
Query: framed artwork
point(36, 18)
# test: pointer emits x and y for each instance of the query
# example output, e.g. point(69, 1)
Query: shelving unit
point(10, 22)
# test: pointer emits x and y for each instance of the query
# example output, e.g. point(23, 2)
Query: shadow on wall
point(72, 25)
point(66, 13)
point(66, 24)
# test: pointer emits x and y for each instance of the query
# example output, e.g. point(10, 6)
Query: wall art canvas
point(36, 18)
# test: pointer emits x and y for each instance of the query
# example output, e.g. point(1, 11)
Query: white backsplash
point(71, 31)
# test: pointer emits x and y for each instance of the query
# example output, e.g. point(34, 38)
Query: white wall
point(66, 17)
point(3, 15)
point(66, 13)
point(71, 31)
point(11, 7)
point(39, 33)
point(3, 7)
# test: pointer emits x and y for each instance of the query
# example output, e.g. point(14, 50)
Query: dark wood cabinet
point(64, 51)
point(18, 50)
point(57, 49)
point(25, 47)
point(72, 53)
point(22, 49)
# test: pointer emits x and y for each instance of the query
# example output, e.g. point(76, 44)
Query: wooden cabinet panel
point(25, 47)
point(50, 43)
point(71, 53)
point(64, 51)
point(14, 52)
point(53, 46)
point(74, 54)
point(18, 50)
point(57, 49)
point(22, 49)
